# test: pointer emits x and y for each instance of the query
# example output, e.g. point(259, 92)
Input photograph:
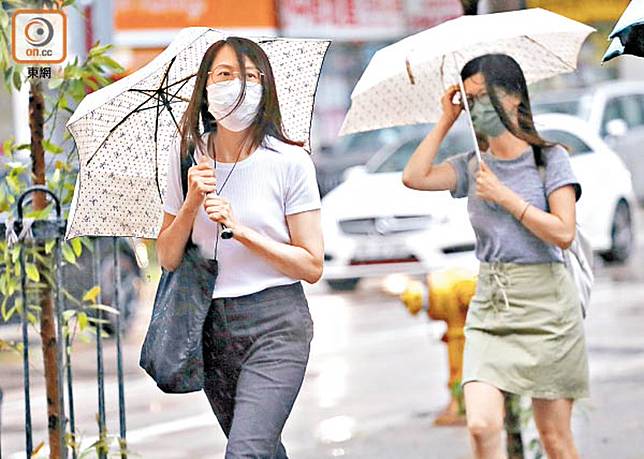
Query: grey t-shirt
point(499, 235)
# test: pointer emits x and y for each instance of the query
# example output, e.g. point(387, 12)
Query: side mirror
point(353, 172)
point(616, 128)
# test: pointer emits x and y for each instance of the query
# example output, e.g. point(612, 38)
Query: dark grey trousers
point(256, 348)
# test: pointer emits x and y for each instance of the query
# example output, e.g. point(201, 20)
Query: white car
point(373, 225)
point(614, 111)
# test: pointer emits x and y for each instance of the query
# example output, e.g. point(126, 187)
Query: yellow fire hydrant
point(446, 296)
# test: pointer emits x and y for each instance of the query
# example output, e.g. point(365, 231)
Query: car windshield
point(568, 107)
point(371, 141)
point(579, 106)
point(458, 141)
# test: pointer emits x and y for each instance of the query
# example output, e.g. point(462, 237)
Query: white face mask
point(222, 97)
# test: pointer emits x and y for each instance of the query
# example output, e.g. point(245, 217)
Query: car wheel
point(343, 285)
point(621, 235)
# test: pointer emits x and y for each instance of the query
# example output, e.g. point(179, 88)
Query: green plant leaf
point(15, 167)
point(68, 254)
point(68, 314)
point(87, 242)
point(109, 62)
point(55, 82)
point(4, 19)
point(92, 331)
point(77, 246)
point(105, 307)
point(97, 49)
point(81, 316)
point(7, 313)
point(62, 103)
point(54, 180)
point(92, 293)
point(17, 82)
point(49, 246)
point(96, 320)
point(15, 253)
point(12, 285)
point(91, 83)
point(40, 214)
point(14, 183)
point(7, 148)
point(51, 147)
point(31, 318)
point(32, 272)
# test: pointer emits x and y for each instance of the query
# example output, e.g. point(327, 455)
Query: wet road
point(376, 379)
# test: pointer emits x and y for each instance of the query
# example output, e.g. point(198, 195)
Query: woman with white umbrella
point(257, 335)
point(524, 330)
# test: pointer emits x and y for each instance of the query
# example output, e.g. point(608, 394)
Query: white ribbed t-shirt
point(262, 189)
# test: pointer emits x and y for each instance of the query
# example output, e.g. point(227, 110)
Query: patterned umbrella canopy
point(124, 131)
point(404, 82)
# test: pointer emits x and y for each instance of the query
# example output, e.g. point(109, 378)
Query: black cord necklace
point(225, 232)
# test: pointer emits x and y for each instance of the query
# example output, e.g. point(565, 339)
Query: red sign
point(363, 19)
point(423, 14)
point(341, 18)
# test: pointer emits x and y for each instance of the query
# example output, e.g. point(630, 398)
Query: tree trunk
point(47, 317)
point(36, 125)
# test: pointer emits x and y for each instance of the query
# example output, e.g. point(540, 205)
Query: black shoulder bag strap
point(186, 163)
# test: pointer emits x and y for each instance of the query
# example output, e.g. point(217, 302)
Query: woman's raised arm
point(419, 173)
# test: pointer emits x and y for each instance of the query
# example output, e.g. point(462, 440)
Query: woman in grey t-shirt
point(524, 332)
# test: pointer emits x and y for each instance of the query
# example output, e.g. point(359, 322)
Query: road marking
point(135, 436)
point(14, 400)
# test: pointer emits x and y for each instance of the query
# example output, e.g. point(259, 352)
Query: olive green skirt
point(524, 332)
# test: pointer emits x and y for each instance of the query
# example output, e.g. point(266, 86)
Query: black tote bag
point(172, 350)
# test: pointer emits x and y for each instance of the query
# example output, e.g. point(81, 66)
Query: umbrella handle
point(467, 110)
point(226, 233)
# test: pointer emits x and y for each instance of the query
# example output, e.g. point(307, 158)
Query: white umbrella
point(628, 34)
point(404, 82)
point(124, 131)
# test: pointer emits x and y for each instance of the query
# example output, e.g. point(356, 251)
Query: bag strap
point(542, 174)
point(186, 163)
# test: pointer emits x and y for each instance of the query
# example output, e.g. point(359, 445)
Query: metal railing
point(37, 233)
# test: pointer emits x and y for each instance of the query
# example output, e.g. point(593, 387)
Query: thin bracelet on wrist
point(524, 211)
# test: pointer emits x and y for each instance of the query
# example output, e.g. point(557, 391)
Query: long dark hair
point(502, 72)
point(269, 118)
